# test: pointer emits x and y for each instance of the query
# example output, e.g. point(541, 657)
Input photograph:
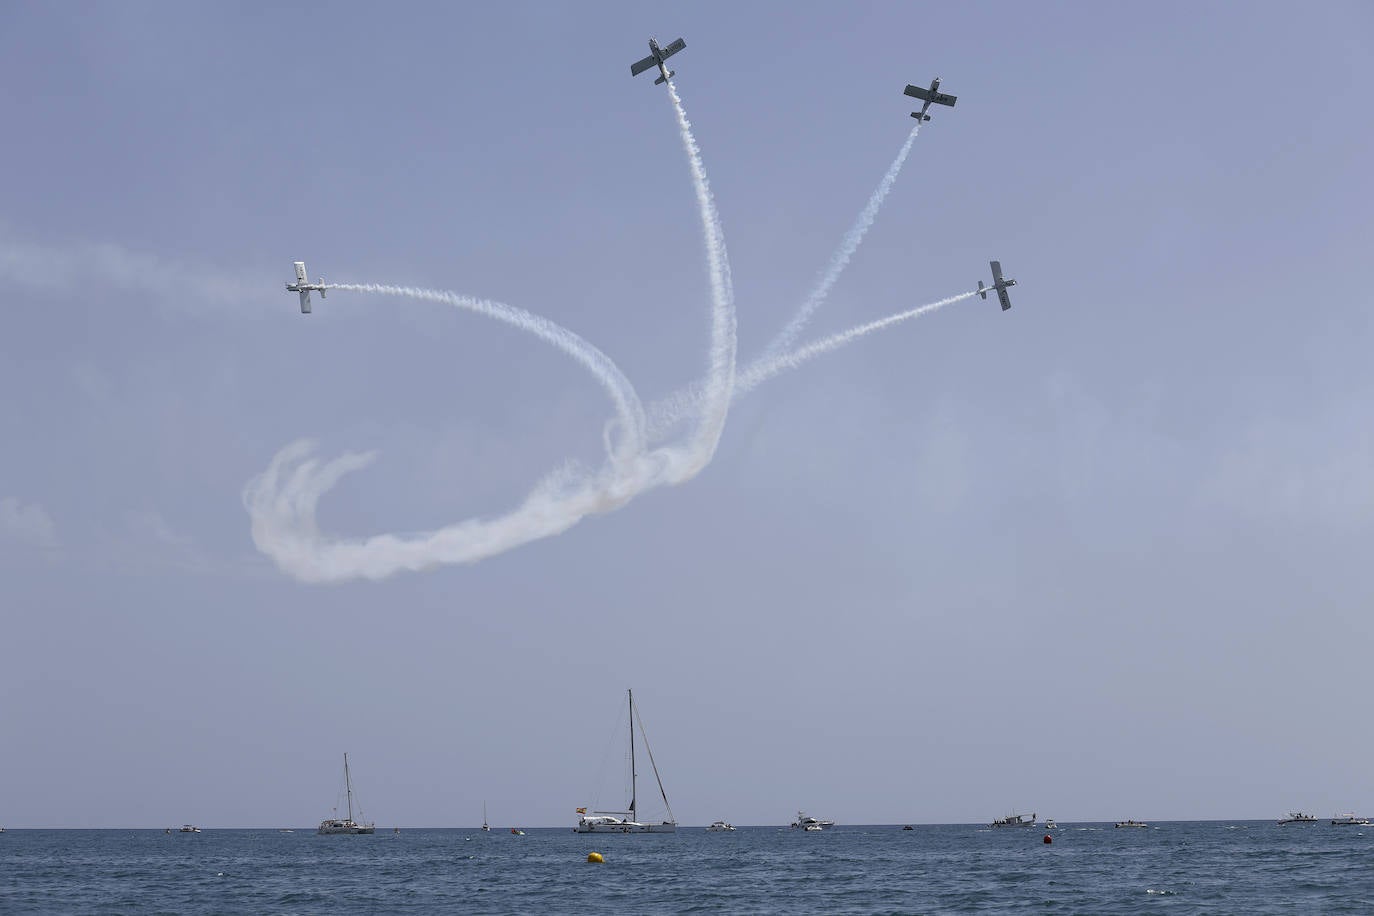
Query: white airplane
point(304, 286)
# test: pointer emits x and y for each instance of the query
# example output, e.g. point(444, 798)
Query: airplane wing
point(673, 48)
point(996, 272)
point(300, 271)
point(640, 66)
point(1003, 298)
point(305, 302)
point(940, 98)
point(919, 93)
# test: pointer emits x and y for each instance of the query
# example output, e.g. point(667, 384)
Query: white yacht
point(187, 828)
point(1349, 820)
point(628, 821)
point(1297, 817)
point(335, 825)
point(805, 821)
point(1130, 823)
point(720, 827)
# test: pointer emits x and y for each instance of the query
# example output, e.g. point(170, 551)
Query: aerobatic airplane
point(998, 284)
point(657, 56)
point(931, 95)
point(304, 286)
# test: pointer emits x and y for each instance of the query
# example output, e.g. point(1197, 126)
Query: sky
point(1104, 555)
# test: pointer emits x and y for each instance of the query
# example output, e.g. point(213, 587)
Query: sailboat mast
point(348, 787)
point(634, 793)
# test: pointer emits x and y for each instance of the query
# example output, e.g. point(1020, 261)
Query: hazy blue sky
point(1105, 555)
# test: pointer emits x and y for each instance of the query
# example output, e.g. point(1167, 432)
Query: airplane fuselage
point(934, 88)
point(657, 52)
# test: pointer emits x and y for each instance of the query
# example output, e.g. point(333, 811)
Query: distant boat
point(1050, 824)
point(628, 821)
point(1297, 817)
point(335, 825)
point(1129, 823)
point(907, 827)
point(187, 828)
point(720, 827)
point(805, 821)
point(1349, 820)
point(486, 828)
point(1014, 820)
point(516, 831)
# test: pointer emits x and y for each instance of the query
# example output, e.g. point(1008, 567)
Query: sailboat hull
point(624, 827)
point(335, 827)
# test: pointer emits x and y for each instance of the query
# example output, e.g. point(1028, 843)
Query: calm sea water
point(1249, 867)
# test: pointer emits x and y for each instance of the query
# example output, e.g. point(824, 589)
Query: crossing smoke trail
point(282, 501)
point(852, 239)
point(669, 411)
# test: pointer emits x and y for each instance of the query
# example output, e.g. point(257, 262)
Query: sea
point(1246, 867)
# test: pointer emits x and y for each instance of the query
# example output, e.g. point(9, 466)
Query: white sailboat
point(346, 825)
point(486, 828)
point(628, 821)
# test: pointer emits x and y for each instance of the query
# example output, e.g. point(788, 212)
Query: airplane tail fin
point(671, 74)
point(981, 291)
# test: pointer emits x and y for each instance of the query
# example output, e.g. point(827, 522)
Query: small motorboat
point(1350, 820)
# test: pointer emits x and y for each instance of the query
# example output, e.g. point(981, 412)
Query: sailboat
point(335, 825)
point(486, 828)
point(628, 821)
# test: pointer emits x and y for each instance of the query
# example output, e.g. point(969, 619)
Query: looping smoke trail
point(284, 527)
point(840, 260)
point(763, 370)
point(629, 409)
point(720, 377)
point(282, 500)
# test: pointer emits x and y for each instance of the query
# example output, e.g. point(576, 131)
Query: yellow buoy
point(595, 857)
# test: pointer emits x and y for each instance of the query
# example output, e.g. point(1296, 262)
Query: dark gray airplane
point(933, 95)
point(998, 284)
point(657, 56)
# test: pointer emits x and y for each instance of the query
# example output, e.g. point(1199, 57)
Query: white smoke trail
point(763, 370)
point(840, 260)
point(666, 413)
point(629, 409)
point(282, 501)
point(720, 376)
